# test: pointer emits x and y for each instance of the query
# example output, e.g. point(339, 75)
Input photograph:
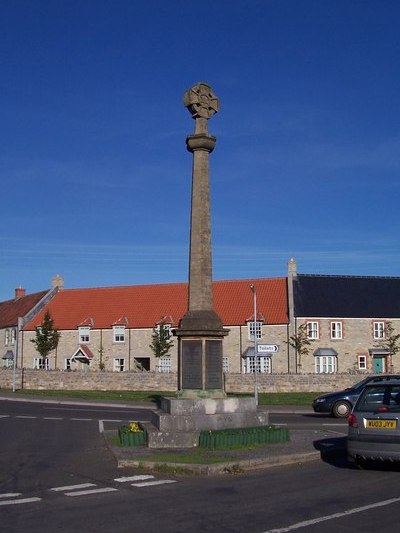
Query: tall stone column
point(201, 330)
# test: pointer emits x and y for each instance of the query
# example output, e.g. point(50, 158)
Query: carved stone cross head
point(201, 101)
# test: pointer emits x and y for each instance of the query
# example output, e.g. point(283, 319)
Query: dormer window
point(165, 327)
point(257, 327)
point(119, 334)
point(84, 334)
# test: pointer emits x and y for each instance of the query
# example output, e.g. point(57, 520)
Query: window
point(312, 330)
point(379, 330)
point(166, 328)
point(164, 364)
point(119, 333)
point(7, 337)
point(119, 364)
point(41, 363)
point(67, 363)
point(362, 362)
point(263, 365)
point(84, 334)
point(336, 330)
point(250, 326)
point(325, 364)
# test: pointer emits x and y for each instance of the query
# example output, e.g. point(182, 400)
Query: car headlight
point(319, 400)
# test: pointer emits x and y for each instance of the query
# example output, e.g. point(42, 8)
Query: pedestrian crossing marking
point(125, 479)
point(152, 483)
point(90, 491)
point(72, 487)
point(20, 501)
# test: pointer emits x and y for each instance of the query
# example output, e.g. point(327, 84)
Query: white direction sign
point(267, 348)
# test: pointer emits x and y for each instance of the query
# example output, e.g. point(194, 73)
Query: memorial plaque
point(191, 364)
point(214, 364)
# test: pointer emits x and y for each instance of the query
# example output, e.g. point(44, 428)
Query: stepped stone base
point(177, 424)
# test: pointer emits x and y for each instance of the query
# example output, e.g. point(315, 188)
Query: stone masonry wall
point(157, 381)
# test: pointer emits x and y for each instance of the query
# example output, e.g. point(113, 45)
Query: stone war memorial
point(200, 403)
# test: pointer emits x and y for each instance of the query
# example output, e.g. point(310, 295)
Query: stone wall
point(157, 381)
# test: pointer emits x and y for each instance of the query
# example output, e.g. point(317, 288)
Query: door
point(378, 364)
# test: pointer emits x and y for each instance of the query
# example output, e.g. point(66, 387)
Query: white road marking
point(22, 500)
point(355, 510)
point(151, 483)
point(83, 419)
point(4, 416)
point(24, 416)
point(101, 424)
point(72, 487)
point(133, 478)
point(52, 418)
point(10, 494)
point(90, 491)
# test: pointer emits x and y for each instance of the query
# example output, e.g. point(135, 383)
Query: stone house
point(15, 313)
point(347, 321)
point(111, 328)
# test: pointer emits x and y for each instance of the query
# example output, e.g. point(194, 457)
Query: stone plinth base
point(179, 421)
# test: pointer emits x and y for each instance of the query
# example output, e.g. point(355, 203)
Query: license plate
point(381, 424)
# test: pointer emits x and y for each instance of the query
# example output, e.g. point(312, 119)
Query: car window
point(360, 384)
point(380, 397)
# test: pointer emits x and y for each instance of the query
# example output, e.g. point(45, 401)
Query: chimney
point(19, 293)
point(57, 281)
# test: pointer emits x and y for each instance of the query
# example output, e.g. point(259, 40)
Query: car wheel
point(341, 409)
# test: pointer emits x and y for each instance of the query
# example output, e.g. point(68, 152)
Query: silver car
point(374, 424)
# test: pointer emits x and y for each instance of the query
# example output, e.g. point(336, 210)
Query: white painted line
point(52, 418)
point(101, 424)
point(307, 523)
point(151, 483)
point(22, 416)
point(72, 487)
point(91, 491)
point(4, 416)
point(133, 478)
point(82, 419)
point(22, 500)
point(10, 494)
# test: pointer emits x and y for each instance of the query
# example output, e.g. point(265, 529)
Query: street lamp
point(253, 290)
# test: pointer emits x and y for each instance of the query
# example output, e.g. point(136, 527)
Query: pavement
point(304, 445)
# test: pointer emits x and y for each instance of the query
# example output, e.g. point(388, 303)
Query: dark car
point(374, 424)
point(340, 404)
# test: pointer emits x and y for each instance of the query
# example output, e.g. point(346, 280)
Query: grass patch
point(97, 395)
point(287, 398)
point(273, 398)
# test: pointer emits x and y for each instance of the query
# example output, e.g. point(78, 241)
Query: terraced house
point(15, 313)
point(352, 323)
point(111, 328)
point(341, 324)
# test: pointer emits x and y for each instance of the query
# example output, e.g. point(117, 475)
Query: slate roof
point(11, 310)
point(142, 306)
point(346, 296)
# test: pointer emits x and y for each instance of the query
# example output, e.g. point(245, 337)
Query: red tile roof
point(142, 306)
point(11, 310)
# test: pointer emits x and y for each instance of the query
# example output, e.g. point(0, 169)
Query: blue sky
point(95, 174)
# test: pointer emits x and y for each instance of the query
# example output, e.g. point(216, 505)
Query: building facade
point(347, 323)
point(111, 328)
